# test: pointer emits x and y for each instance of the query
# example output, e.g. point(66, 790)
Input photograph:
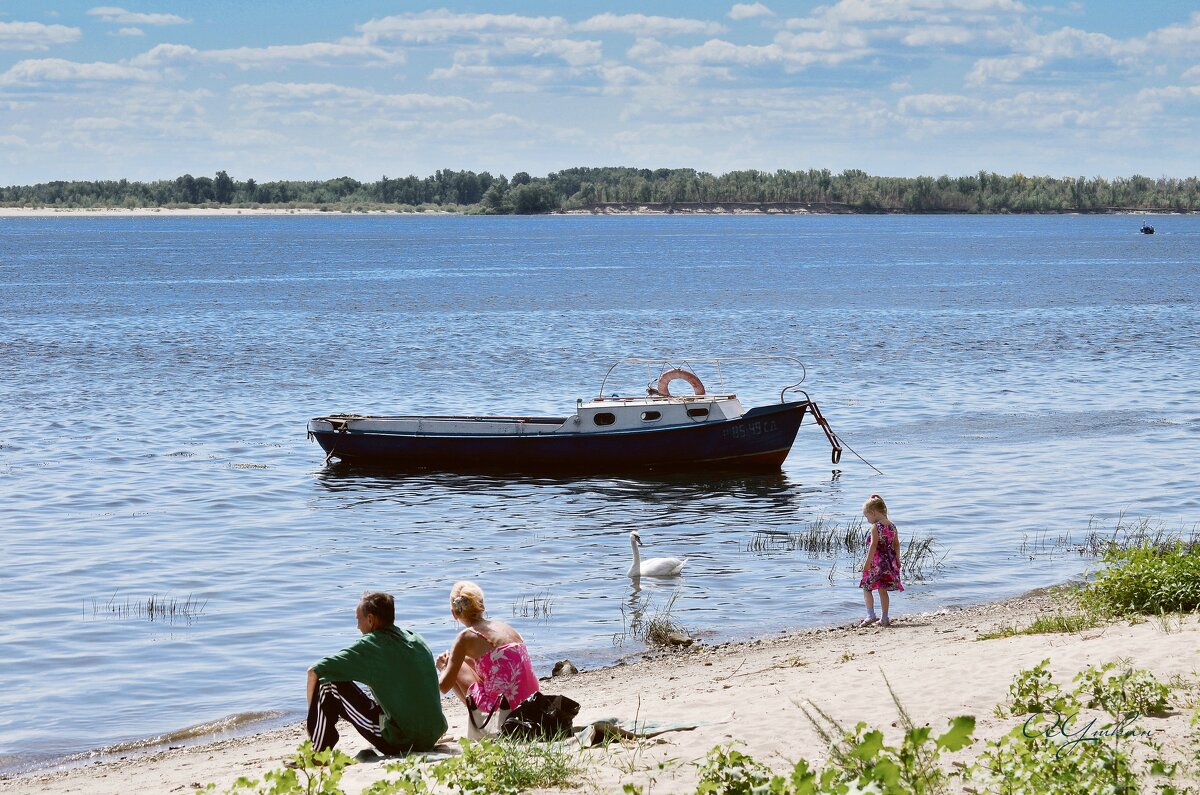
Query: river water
point(1016, 379)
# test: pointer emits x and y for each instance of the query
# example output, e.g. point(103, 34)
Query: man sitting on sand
point(406, 711)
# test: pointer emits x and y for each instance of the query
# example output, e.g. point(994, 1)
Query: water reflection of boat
point(657, 431)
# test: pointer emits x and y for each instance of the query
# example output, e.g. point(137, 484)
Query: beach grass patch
point(503, 765)
point(1051, 624)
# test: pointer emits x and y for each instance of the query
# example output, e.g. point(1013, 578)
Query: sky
point(298, 89)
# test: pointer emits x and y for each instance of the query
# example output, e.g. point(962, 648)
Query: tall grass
point(920, 557)
point(819, 537)
point(152, 608)
point(1125, 534)
point(536, 606)
point(653, 629)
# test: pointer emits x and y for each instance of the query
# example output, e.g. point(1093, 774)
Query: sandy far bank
point(745, 691)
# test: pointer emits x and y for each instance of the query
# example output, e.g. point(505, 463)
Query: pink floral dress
point(504, 672)
point(883, 573)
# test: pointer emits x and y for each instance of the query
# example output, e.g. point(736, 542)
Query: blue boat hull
point(758, 440)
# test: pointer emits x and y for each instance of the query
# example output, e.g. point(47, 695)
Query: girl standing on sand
point(881, 569)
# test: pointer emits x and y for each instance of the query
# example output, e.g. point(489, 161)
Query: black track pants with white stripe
point(335, 700)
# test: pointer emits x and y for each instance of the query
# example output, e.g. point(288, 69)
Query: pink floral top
point(504, 672)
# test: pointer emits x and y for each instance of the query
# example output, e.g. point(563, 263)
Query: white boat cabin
point(599, 415)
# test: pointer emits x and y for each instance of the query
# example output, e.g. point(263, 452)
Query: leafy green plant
point(509, 766)
point(859, 761)
point(1034, 691)
point(1148, 579)
point(309, 772)
point(728, 771)
point(1118, 688)
point(1027, 761)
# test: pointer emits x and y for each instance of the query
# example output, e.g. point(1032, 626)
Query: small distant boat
point(656, 431)
point(1146, 228)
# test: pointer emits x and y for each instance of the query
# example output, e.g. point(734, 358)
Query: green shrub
point(727, 771)
point(860, 761)
point(1127, 690)
point(309, 772)
point(1028, 762)
point(1034, 691)
point(1147, 579)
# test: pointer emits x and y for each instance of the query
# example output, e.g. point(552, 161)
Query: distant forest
point(629, 188)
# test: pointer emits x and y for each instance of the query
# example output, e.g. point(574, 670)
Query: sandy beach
point(744, 691)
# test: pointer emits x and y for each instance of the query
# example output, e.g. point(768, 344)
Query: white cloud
point(120, 16)
point(642, 25)
point(936, 104)
point(100, 123)
point(935, 35)
point(429, 27)
point(35, 35)
point(1004, 70)
point(273, 55)
point(130, 32)
point(931, 11)
point(791, 50)
point(742, 11)
point(572, 51)
point(1156, 97)
point(46, 70)
point(465, 71)
point(1180, 39)
point(1191, 74)
point(312, 95)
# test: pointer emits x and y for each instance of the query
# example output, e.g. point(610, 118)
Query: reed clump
point(920, 556)
point(819, 537)
point(1124, 535)
point(657, 628)
point(536, 606)
point(151, 608)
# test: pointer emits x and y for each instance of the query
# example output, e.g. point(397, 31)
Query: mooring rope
point(842, 442)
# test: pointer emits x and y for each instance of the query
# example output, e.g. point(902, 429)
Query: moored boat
point(657, 431)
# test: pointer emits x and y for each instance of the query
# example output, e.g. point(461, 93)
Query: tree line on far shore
point(627, 188)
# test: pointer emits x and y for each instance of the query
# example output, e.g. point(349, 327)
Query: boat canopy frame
point(667, 364)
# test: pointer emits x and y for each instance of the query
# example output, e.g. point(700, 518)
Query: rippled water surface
point(1011, 377)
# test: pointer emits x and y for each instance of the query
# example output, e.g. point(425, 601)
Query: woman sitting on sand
point(488, 660)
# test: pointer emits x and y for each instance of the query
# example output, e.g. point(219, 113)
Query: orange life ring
point(664, 383)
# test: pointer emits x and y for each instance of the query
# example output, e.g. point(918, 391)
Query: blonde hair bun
point(466, 600)
point(876, 505)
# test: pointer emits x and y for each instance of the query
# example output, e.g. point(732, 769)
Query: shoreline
point(631, 210)
point(747, 691)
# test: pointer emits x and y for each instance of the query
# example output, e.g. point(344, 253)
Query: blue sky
point(313, 90)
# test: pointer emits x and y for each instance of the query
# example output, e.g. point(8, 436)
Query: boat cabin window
point(651, 416)
point(605, 418)
point(697, 413)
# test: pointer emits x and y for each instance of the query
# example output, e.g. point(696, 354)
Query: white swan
point(654, 567)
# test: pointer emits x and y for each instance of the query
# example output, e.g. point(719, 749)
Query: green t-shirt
point(398, 667)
